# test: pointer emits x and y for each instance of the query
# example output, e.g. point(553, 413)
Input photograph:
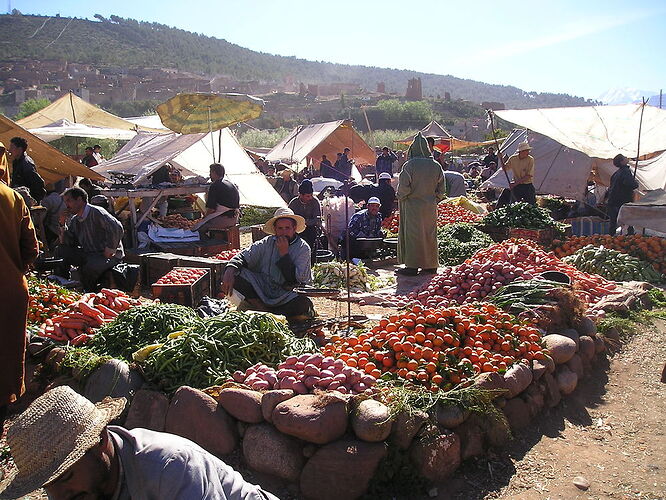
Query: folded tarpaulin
point(171, 234)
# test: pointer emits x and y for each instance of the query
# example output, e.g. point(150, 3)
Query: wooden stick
point(500, 159)
point(640, 126)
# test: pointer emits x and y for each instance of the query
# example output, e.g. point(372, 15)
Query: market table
point(156, 193)
point(648, 213)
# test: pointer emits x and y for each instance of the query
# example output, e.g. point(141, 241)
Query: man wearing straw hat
point(522, 166)
point(63, 443)
point(266, 273)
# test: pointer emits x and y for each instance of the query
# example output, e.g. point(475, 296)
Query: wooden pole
point(640, 126)
point(500, 159)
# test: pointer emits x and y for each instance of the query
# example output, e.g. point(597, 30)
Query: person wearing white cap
point(386, 194)
point(64, 443)
point(267, 272)
point(522, 167)
point(366, 223)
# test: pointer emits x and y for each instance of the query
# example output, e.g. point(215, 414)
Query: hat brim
point(17, 483)
point(269, 227)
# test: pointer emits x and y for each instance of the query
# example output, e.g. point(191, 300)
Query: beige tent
point(313, 141)
point(52, 165)
point(443, 139)
point(74, 109)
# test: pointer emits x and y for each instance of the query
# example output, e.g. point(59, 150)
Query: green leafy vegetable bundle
point(458, 242)
point(520, 215)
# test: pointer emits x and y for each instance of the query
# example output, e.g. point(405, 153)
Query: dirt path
point(611, 431)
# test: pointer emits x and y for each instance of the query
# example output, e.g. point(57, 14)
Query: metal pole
point(500, 159)
point(346, 188)
point(638, 147)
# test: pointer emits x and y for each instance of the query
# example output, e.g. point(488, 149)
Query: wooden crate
point(186, 295)
point(543, 237)
point(258, 232)
point(230, 236)
point(156, 265)
point(216, 268)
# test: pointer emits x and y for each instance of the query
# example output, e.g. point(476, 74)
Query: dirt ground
point(610, 431)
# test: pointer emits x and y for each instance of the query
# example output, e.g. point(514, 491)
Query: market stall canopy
point(65, 128)
point(148, 121)
point(564, 171)
point(597, 131)
point(443, 139)
point(193, 113)
point(52, 164)
point(146, 153)
point(71, 107)
point(311, 142)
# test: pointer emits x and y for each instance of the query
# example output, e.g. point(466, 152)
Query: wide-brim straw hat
point(524, 146)
point(282, 213)
point(51, 435)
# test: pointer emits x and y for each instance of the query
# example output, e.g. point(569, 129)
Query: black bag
point(126, 276)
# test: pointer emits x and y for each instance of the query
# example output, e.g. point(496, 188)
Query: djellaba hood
point(419, 148)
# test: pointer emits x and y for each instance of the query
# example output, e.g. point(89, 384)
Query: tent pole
point(346, 189)
point(500, 159)
point(640, 126)
point(219, 147)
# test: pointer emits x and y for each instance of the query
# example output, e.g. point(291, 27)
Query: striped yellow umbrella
point(197, 113)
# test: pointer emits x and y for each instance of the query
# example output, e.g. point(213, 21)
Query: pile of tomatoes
point(226, 255)
point(446, 214)
point(440, 348)
point(182, 276)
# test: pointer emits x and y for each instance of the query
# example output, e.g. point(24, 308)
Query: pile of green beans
point(141, 326)
point(208, 353)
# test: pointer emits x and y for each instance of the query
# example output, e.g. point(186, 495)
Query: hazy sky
point(581, 47)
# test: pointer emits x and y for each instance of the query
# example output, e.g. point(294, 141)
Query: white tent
point(597, 131)
point(147, 152)
point(149, 121)
point(66, 128)
point(563, 171)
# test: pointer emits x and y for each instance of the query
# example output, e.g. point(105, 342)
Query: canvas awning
point(71, 107)
point(443, 139)
point(52, 164)
point(564, 171)
point(146, 153)
point(65, 128)
point(311, 142)
point(597, 131)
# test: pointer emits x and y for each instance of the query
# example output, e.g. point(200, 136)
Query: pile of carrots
point(648, 248)
point(440, 348)
point(47, 299)
point(76, 324)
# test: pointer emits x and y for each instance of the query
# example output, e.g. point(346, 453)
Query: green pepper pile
point(458, 242)
point(140, 326)
point(611, 264)
point(208, 353)
point(520, 215)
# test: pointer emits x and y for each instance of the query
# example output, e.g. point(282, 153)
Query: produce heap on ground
point(485, 315)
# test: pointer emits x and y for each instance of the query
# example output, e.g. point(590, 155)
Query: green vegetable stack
point(458, 242)
point(612, 264)
point(208, 353)
point(524, 295)
point(140, 326)
point(520, 215)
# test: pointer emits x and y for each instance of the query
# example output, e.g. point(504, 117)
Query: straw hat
point(51, 435)
point(524, 146)
point(281, 213)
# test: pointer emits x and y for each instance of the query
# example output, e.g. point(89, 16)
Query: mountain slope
point(129, 43)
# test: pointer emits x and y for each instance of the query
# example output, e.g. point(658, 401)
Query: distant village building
point(495, 106)
point(414, 89)
point(381, 88)
point(447, 96)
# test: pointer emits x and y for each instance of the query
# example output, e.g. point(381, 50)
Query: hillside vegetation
point(129, 43)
